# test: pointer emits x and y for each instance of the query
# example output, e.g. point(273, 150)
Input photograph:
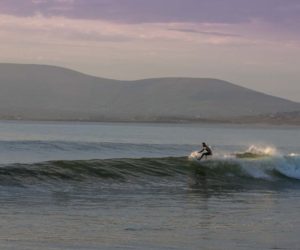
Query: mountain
point(42, 92)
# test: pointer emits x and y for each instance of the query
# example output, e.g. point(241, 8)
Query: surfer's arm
point(201, 150)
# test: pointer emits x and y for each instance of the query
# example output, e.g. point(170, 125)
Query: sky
point(252, 43)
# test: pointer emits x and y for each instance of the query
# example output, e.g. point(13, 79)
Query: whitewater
point(140, 186)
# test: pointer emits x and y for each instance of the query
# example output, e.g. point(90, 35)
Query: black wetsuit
point(206, 153)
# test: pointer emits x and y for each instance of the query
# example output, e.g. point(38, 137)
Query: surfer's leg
point(201, 157)
point(204, 154)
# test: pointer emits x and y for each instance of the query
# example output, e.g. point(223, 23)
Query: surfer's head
point(203, 144)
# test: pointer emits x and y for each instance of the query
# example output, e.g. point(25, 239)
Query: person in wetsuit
point(206, 151)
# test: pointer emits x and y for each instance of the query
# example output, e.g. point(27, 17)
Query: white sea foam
point(258, 162)
point(262, 150)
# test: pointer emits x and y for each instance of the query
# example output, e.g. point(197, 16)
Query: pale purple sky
point(254, 43)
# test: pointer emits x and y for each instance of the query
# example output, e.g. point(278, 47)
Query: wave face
point(40, 151)
point(151, 171)
point(121, 170)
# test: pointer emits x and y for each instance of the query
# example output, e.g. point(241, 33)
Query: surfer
point(206, 151)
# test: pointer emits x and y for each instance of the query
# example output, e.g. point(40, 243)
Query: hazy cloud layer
point(222, 11)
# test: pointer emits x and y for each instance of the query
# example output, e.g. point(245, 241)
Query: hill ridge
point(43, 92)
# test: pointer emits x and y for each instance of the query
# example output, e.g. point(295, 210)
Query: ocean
point(89, 186)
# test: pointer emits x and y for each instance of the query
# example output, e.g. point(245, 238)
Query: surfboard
point(194, 156)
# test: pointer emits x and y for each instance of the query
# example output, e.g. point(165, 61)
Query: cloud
point(63, 2)
point(39, 29)
point(38, 1)
point(209, 33)
point(44, 28)
point(145, 11)
point(216, 21)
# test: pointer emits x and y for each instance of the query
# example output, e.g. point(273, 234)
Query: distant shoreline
point(235, 121)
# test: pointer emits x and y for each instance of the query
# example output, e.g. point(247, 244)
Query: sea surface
point(89, 186)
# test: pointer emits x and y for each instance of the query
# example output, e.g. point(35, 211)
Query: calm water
point(131, 186)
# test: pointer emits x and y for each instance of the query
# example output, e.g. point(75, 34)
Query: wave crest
point(168, 169)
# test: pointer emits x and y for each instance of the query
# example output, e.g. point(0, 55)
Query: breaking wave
point(256, 162)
